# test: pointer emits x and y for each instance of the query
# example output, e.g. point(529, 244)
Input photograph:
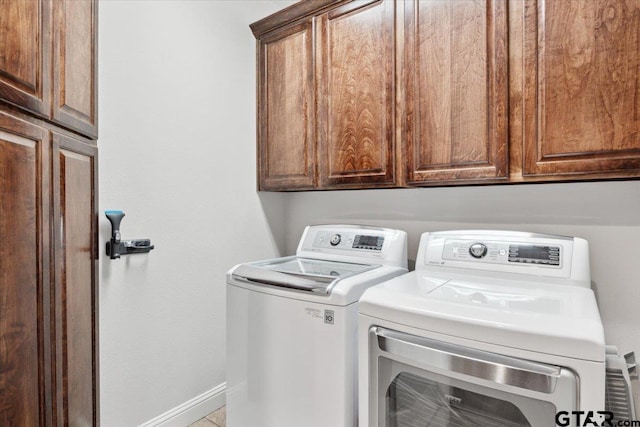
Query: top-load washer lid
point(301, 274)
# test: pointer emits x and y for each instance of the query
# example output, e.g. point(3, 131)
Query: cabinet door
point(25, 54)
point(355, 66)
point(25, 352)
point(455, 80)
point(74, 63)
point(582, 85)
point(76, 292)
point(286, 109)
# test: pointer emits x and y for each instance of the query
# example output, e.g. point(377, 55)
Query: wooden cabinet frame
point(493, 164)
point(286, 149)
point(49, 67)
point(535, 126)
point(601, 36)
point(75, 297)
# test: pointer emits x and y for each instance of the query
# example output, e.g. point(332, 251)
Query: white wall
point(607, 214)
point(177, 150)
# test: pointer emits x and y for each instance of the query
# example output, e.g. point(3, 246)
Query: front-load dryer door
point(419, 382)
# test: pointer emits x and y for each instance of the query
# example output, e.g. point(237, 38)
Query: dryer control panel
point(502, 252)
point(499, 252)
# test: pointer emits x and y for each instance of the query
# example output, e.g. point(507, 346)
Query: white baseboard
point(191, 410)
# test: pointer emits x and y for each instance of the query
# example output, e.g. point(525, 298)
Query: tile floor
point(214, 419)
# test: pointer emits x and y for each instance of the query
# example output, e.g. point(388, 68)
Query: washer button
point(478, 250)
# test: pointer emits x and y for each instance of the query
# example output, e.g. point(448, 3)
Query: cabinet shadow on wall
point(276, 213)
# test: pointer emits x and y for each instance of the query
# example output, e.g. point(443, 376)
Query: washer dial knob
point(335, 239)
point(478, 250)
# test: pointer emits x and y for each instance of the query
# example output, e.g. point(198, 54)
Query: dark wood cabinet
point(48, 60)
point(418, 93)
point(326, 105)
point(286, 110)
point(25, 279)
point(25, 53)
point(75, 303)
point(74, 85)
point(48, 280)
point(48, 214)
point(456, 90)
point(581, 108)
point(356, 102)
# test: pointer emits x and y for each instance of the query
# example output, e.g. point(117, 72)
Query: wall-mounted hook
point(117, 247)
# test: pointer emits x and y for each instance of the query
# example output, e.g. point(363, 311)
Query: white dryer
point(493, 328)
point(291, 327)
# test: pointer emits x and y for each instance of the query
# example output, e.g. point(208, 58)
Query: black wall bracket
point(116, 246)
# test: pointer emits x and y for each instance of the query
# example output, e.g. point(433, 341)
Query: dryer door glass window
point(413, 401)
point(420, 382)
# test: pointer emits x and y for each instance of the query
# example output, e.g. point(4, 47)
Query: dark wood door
point(75, 67)
point(76, 292)
point(25, 352)
point(582, 84)
point(286, 109)
point(456, 89)
point(356, 98)
point(25, 54)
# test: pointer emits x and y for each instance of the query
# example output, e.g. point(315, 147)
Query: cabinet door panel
point(74, 59)
point(24, 54)
point(455, 75)
point(582, 85)
point(356, 110)
point(76, 290)
point(286, 109)
point(24, 274)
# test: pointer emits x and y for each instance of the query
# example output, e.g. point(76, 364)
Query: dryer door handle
point(471, 362)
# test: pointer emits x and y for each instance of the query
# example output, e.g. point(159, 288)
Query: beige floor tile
point(219, 417)
point(204, 422)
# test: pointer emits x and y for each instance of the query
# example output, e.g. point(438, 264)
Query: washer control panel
point(354, 243)
point(498, 252)
point(348, 240)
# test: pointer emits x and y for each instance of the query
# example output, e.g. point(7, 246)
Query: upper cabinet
point(355, 125)
point(374, 94)
point(48, 60)
point(581, 88)
point(455, 83)
point(286, 106)
point(25, 53)
point(75, 101)
point(326, 105)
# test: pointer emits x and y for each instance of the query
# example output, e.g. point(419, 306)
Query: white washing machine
point(291, 327)
point(493, 328)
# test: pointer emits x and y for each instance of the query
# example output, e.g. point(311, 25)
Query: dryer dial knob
point(335, 239)
point(478, 250)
